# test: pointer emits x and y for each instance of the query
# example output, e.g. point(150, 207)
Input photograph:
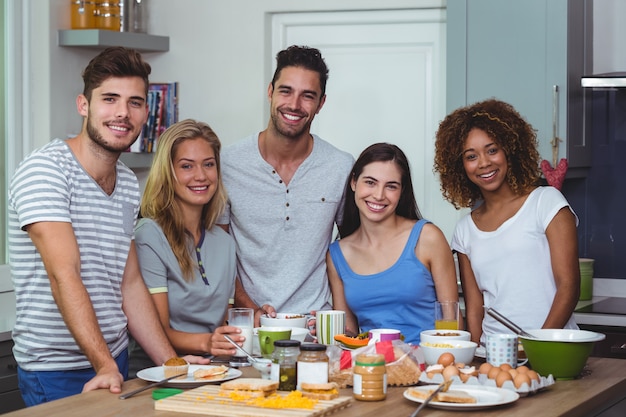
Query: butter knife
point(154, 384)
point(442, 387)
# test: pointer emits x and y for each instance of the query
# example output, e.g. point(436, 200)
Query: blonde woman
point(187, 263)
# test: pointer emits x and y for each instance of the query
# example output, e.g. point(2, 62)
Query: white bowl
point(443, 336)
point(299, 334)
point(284, 320)
point(462, 350)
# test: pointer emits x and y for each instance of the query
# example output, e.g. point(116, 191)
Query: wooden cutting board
point(205, 400)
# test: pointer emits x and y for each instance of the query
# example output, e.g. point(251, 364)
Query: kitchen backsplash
point(599, 199)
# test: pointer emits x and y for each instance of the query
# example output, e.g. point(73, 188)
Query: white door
point(386, 84)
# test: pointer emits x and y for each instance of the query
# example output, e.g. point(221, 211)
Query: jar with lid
point(312, 364)
point(284, 360)
point(370, 377)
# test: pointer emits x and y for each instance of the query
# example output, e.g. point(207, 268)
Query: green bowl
point(561, 353)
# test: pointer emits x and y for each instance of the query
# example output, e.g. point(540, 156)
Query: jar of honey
point(82, 14)
point(108, 16)
point(369, 377)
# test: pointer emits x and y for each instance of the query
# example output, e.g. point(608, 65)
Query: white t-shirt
point(512, 264)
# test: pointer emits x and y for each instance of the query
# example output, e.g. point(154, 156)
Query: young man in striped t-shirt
point(72, 209)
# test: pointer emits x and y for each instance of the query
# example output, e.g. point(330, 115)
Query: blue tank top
point(401, 297)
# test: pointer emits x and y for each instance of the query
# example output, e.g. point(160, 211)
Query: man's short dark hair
point(115, 61)
point(305, 57)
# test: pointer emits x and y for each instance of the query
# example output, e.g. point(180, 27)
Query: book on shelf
point(163, 112)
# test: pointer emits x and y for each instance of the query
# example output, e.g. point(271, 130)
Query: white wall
point(219, 54)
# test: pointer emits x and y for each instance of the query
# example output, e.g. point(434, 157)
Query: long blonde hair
point(159, 201)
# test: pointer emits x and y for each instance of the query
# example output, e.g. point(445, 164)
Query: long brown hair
point(159, 201)
point(378, 152)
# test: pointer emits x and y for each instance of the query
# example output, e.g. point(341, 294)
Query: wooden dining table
point(603, 383)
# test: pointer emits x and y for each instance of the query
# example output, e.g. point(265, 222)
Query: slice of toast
point(250, 384)
point(451, 396)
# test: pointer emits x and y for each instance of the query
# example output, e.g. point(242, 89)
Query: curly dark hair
point(507, 128)
point(305, 57)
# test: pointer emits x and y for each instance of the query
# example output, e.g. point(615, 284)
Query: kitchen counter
point(602, 290)
point(604, 386)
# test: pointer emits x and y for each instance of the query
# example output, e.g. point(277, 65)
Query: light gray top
point(50, 185)
point(194, 306)
point(283, 232)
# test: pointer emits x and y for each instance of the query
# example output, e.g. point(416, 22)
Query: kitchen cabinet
point(521, 52)
point(10, 397)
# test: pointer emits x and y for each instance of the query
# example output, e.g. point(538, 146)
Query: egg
point(513, 372)
point(533, 375)
point(449, 372)
point(522, 369)
point(505, 366)
point(494, 372)
point(484, 368)
point(466, 373)
point(460, 365)
point(433, 369)
point(502, 377)
point(520, 379)
point(446, 359)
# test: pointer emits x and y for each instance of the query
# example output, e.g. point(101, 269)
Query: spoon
point(508, 323)
point(240, 349)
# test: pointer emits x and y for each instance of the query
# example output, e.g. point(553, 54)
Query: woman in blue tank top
point(390, 265)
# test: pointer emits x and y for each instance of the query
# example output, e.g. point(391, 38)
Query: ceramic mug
point(381, 335)
point(329, 323)
point(502, 348)
point(268, 335)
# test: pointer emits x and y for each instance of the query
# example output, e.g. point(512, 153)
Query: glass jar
point(134, 16)
point(83, 14)
point(312, 364)
point(369, 377)
point(284, 360)
point(108, 16)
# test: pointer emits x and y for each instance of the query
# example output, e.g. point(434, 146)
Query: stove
point(611, 305)
point(611, 308)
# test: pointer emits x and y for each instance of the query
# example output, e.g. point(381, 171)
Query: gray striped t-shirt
point(50, 185)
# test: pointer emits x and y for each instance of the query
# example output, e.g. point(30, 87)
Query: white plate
point(486, 397)
point(156, 374)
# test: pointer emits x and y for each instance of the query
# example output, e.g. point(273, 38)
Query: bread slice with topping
point(255, 387)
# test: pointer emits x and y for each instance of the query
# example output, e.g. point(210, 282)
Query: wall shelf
point(97, 38)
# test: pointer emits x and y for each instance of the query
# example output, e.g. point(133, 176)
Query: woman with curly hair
point(517, 249)
point(187, 262)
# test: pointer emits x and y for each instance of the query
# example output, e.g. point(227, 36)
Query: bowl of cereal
point(443, 336)
point(284, 320)
point(462, 350)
